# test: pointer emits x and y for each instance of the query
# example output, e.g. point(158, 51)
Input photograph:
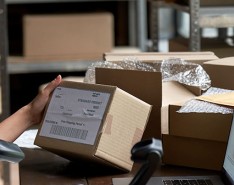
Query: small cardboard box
point(68, 36)
point(192, 152)
point(221, 72)
point(93, 122)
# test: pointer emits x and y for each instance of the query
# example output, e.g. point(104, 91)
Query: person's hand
point(38, 104)
point(13, 126)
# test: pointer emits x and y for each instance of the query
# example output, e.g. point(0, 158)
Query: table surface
point(42, 167)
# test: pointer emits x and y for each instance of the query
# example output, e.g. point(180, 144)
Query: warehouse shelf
point(4, 84)
point(200, 17)
point(23, 67)
point(137, 24)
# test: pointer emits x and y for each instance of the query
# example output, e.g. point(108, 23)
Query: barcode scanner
point(148, 152)
point(10, 152)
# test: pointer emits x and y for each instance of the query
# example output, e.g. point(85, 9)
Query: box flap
point(221, 72)
point(172, 92)
point(123, 127)
point(144, 85)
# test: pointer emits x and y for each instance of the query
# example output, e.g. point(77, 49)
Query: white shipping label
point(74, 115)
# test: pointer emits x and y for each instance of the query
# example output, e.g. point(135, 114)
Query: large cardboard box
point(193, 152)
point(148, 87)
point(68, 36)
point(93, 122)
point(221, 72)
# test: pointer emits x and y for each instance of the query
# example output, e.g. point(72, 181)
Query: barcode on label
point(69, 132)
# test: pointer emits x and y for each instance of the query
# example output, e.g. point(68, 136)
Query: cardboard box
point(217, 46)
point(117, 119)
point(192, 152)
point(150, 57)
point(200, 138)
point(221, 72)
point(68, 36)
point(148, 87)
point(208, 126)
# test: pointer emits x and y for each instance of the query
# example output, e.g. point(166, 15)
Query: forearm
point(15, 125)
point(31, 114)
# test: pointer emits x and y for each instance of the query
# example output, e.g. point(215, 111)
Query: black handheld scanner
point(149, 152)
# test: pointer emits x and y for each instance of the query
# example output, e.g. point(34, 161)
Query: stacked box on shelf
point(83, 36)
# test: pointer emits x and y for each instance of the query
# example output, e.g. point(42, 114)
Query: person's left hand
point(38, 104)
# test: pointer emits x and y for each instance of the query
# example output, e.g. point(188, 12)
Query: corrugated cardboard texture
point(147, 86)
point(72, 150)
point(209, 126)
point(196, 57)
point(74, 36)
point(123, 124)
point(221, 72)
point(191, 152)
point(123, 128)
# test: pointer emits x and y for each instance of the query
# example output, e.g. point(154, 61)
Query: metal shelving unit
point(137, 37)
point(197, 14)
point(4, 82)
point(4, 85)
point(22, 67)
point(137, 26)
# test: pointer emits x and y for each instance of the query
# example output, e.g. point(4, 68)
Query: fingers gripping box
point(93, 122)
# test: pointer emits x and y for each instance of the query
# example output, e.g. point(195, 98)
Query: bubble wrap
point(176, 69)
point(133, 63)
point(173, 69)
point(90, 73)
point(199, 106)
point(129, 63)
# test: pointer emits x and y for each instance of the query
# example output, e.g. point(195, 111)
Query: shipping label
point(74, 115)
